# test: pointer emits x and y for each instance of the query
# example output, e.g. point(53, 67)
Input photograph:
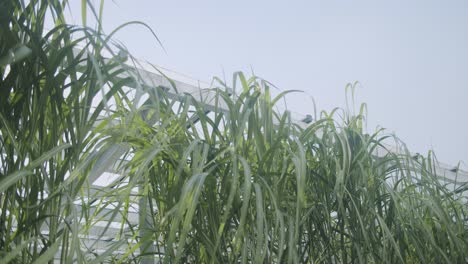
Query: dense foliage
point(246, 184)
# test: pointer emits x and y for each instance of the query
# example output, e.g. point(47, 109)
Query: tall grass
point(50, 100)
point(243, 185)
point(263, 189)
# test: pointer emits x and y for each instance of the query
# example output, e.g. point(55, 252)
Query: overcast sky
point(410, 57)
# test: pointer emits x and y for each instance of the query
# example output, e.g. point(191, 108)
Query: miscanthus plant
point(50, 99)
point(249, 185)
point(242, 183)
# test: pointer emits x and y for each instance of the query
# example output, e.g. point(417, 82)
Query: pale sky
point(410, 57)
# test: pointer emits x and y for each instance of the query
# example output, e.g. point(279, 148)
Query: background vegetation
point(243, 185)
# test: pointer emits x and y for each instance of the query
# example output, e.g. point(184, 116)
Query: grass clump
point(250, 185)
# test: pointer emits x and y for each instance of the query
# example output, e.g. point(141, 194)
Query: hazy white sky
point(411, 57)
